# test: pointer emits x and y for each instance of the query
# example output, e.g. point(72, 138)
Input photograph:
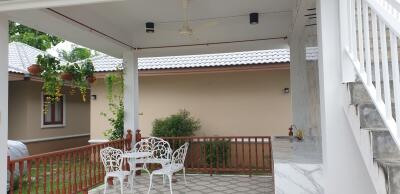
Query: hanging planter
point(52, 84)
point(66, 76)
point(69, 72)
point(34, 69)
point(88, 71)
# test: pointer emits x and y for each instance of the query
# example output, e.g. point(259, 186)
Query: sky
point(66, 45)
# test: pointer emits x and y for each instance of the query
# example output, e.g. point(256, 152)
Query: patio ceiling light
point(253, 18)
point(149, 27)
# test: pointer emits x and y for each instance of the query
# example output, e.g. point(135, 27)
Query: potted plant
point(52, 83)
point(88, 71)
point(68, 72)
point(34, 69)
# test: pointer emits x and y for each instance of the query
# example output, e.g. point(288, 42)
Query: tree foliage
point(32, 37)
point(76, 54)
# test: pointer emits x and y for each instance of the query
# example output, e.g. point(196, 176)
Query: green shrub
point(176, 125)
point(214, 149)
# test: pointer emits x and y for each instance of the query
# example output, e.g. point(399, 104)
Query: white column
point(344, 169)
point(131, 90)
point(299, 83)
point(3, 101)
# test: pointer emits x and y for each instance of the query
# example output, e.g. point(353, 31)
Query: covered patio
point(187, 27)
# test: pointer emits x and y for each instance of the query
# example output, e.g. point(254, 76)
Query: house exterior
point(64, 125)
point(354, 120)
point(230, 93)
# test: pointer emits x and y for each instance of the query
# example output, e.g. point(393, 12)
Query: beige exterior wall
point(234, 103)
point(25, 114)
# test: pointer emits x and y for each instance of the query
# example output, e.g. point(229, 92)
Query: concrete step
point(359, 94)
point(386, 154)
point(369, 116)
point(391, 169)
point(383, 145)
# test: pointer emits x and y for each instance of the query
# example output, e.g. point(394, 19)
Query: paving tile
point(200, 184)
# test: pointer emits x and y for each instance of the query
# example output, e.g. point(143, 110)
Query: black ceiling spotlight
point(253, 18)
point(149, 27)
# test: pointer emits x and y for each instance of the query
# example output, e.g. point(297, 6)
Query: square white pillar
point(131, 91)
point(3, 101)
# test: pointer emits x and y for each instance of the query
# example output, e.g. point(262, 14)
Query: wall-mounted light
point(286, 90)
point(93, 97)
point(27, 76)
point(253, 18)
point(149, 27)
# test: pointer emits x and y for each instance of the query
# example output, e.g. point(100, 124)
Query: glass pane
point(58, 111)
point(47, 115)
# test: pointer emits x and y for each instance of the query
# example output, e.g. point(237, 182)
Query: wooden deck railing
point(73, 170)
point(233, 154)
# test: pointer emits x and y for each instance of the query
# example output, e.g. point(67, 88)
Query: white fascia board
point(14, 5)
point(48, 22)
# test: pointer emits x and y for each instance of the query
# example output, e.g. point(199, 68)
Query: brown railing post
point(138, 137)
point(128, 144)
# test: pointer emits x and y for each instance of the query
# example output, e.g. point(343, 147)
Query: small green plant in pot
point(88, 71)
point(68, 72)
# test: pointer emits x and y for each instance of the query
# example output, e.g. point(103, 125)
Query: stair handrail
point(361, 21)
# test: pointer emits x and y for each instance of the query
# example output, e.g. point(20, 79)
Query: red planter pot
point(66, 76)
point(34, 69)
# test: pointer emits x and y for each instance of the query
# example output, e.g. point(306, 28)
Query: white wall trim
point(37, 4)
point(54, 138)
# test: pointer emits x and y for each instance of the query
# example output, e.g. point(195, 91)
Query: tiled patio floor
point(199, 184)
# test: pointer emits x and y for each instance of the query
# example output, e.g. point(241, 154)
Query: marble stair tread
point(383, 145)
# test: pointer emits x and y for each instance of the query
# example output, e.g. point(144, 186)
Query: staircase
point(370, 31)
point(380, 152)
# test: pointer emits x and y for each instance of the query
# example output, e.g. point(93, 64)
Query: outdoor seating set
point(150, 150)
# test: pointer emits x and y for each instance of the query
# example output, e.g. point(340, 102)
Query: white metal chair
point(177, 164)
point(112, 161)
point(160, 149)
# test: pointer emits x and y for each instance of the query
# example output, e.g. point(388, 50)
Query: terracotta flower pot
point(66, 76)
point(34, 69)
point(91, 79)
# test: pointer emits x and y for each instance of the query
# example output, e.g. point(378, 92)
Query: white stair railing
point(370, 30)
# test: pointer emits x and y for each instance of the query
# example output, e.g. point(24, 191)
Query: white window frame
point(42, 125)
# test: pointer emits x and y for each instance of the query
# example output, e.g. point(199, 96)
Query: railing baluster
point(263, 153)
point(377, 69)
point(37, 163)
point(236, 153)
point(396, 79)
point(21, 175)
point(243, 152)
point(64, 190)
point(51, 175)
point(385, 70)
point(58, 174)
point(250, 155)
point(367, 43)
point(255, 142)
point(360, 35)
point(29, 169)
point(353, 29)
point(12, 169)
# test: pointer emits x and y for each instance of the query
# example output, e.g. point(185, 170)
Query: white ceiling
point(212, 20)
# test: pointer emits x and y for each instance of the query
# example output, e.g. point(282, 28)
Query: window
point(54, 116)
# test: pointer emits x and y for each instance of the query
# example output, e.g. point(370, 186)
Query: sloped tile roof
point(21, 56)
point(107, 63)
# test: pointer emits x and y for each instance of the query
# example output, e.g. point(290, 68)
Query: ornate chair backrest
point(159, 147)
point(112, 159)
point(179, 156)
